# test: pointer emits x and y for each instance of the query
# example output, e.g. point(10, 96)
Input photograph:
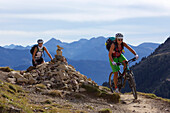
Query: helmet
point(40, 41)
point(119, 35)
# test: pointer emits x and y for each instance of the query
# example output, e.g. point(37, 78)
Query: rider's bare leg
point(115, 79)
point(124, 64)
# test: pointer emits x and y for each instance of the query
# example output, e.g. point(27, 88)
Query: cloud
point(71, 20)
point(82, 11)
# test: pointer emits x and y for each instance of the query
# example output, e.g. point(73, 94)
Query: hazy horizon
point(70, 42)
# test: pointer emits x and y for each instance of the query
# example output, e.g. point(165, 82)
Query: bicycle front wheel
point(132, 84)
point(111, 84)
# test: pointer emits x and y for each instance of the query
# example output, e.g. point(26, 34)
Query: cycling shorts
point(120, 59)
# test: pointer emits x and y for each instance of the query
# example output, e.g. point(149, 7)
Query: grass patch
point(54, 93)
point(68, 106)
point(11, 100)
point(106, 110)
point(153, 96)
point(47, 102)
point(6, 69)
point(105, 88)
point(92, 89)
point(89, 107)
point(5, 96)
point(12, 88)
point(41, 86)
point(95, 91)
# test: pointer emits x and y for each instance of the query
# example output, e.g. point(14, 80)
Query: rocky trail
point(144, 104)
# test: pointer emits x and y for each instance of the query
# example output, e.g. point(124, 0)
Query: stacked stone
point(56, 74)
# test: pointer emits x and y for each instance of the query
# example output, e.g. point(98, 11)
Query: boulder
point(15, 74)
point(22, 80)
point(31, 68)
point(32, 80)
point(82, 90)
point(27, 75)
point(11, 80)
point(63, 67)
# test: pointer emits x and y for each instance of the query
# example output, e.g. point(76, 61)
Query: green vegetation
point(95, 91)
point(47, 102)
point(107, 110)
point(6, 69)
point(41, 86)
point(153, 96)
point(89, 107)
point(10, 96)
point(17, 101)
point(54, 93)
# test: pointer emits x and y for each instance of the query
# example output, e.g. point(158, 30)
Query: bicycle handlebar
point(131, 60)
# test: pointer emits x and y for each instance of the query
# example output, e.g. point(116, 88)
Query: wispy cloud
point(68, 19)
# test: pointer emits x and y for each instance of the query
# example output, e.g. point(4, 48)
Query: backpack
point(32, 49)
point(109, 42)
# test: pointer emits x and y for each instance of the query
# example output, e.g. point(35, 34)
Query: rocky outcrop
point(56, 74)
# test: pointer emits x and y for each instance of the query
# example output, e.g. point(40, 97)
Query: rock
point(52, 79)
point(72, 67)
point(75, 82)
point(32, 80)
point(89, 79)
point(82, 89)
point(31, 68)
point(82, 81)
point(48, 85)
point(27, 75)
point(11, 80)
point(22, 80)
point(15, 74)
point(63, 67)
point(34, 74)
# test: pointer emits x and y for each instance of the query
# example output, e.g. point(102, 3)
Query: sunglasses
point(120, 39)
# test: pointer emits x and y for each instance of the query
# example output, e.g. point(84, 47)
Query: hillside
point(14, 57)
point(153, 73)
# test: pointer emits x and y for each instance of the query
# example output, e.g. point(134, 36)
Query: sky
point(22, 22)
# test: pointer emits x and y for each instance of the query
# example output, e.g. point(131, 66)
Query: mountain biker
point(115, 56)
point(38, 52)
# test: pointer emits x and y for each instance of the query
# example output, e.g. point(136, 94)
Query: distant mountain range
point(90, 57)
point(93, 49)
point(152, 74)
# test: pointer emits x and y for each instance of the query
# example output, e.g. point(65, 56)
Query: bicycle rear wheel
point(111, 83)
point(132, 84)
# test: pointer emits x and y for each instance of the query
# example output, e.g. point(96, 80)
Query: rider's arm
point(48, 53)
point(111, 51)
point(33, 56)
point(129, 48)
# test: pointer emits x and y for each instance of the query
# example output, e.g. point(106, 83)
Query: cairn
point(56, 74)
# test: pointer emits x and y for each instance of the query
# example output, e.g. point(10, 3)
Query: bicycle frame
point(124, 71)
point(128, 76)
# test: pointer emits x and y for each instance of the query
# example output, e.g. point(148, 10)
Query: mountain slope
point(92, 49)
point(153, 73)
point(13, 57)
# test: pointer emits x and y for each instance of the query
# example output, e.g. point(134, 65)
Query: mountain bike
point(122, 77)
